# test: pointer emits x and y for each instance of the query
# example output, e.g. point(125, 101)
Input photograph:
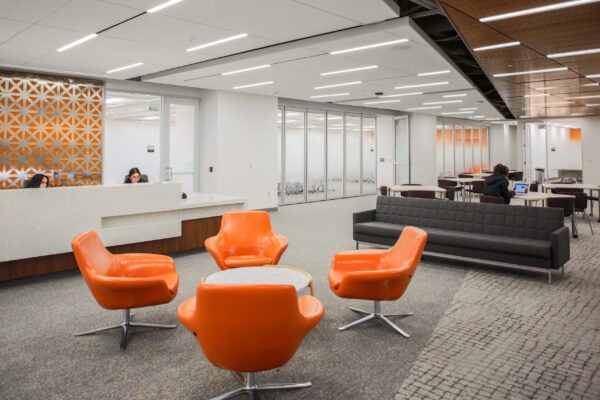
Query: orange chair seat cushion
point(251, 260)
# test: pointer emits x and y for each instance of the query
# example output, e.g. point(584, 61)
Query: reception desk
point(37, 225)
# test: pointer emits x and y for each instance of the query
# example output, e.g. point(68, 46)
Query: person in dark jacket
point(497, 184)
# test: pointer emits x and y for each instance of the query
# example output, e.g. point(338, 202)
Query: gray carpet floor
point(477, 333)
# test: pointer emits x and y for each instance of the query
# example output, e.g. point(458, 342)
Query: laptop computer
point(521, 188)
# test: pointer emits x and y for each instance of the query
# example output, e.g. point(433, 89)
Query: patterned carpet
point(477, 333)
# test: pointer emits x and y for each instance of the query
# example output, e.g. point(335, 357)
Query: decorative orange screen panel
point(50, 125)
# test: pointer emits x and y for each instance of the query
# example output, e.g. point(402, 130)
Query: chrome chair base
point(125, 325)
point(250, 387)
point(376, 314)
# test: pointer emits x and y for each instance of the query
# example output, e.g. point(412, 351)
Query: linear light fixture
point(497, 46)
point(560, 103)
point(370, 46)
point(458, 112)
point(535, 10)
point(254, 85)
point(423, 108)
point(338, 85)
point(583, 97)
point(401, 95)
point(343, 71)
point(124, 68)
point(478, 116)
point(592, 105)
point(163, 5)
point(216, 42)
point(535, 71)
point(329, 95)
point(382, 101)
point(593, 76)
point(430, 103)
point(573, 53)
point(468, 108)
point(591, 84)
point(78, 41)
point(421, 85)
point(537, 95)
point(455, 95)
point(446, 71)
point(245, 70)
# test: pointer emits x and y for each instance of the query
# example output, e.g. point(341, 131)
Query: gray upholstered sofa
point(506, 235)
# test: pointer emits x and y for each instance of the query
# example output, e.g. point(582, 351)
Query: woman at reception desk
point(131, 218)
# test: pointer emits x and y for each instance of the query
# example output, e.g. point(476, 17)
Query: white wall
point(504, 146)
point(423, 149)
point(239, 140)
point(385, 150)
point(590, 147)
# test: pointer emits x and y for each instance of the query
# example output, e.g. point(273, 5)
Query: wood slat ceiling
point(541, 95)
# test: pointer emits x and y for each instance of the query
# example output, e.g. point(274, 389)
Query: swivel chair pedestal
point(378, 315)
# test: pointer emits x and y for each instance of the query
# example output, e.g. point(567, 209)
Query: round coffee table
point(260, 275)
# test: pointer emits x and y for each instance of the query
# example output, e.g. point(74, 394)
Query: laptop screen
point(521, 188)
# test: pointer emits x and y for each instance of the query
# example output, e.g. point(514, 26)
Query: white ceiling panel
point(361, 11)
point(10, 28)
point(30, 10)
point(19, 55)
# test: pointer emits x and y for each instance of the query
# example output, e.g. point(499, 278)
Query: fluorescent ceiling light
point(537, 95)
point(467, 108)
point(478, 116)
point(382, 101)
point(216, 42)
point(163, 5)
point(455, 95)
point(421, 85)
point(343, 71)
point(525, 116)
point(422, 108)
point(547, 88)
point(401, 95)
point(593, 76)
point(124, 68)
point(573, 53)
point(79, 41)
point(370, 46)
point(528, 11)
point(338, 85)
point(558, 103)
point(329, 95)
point(536, 71)
point(458, 112)
point(446, 71)
point(254, 85)
point(591, 84)
point(592, 105)
point(584, 97)
point(245, 70)
point(430, 103)
point(497, 46)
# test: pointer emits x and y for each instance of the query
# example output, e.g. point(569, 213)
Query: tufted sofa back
point(493, 219)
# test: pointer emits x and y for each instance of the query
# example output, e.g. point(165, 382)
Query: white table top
point(260, 275)
point(463, 180)
point(587, 186)
point(536, 196)
point(425, 188)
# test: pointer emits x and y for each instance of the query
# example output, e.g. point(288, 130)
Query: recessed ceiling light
point(338, 85)
point(343, 71)
point(455, 95)
point(478, 116)
point(421, 85)
point(446, 71)
point(430, 103)
point(458, 112)
point(468, 108)
point(246, 70)
point(537, 95)
point(573, 53)
point(593, 76)
point(253, 85)
point(583, 97)
point(423, 108)
point(329, 95)
point(382, 101)
point(535, 10)
point(401, 95)
point(163, 5)
point(525, 116)
point(536, 71)
point(497, 46)
point(559, 103)
point(216, 42)
point(370, 46)
point(591, 84)
point(124, 68)
point(592, 105)
point(78, 41)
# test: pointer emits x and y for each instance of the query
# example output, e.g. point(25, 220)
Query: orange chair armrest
point(186, 313)
point(274, 247)
point(130, 283)
point(311, 309)
point(372, 276)
point(144, 265)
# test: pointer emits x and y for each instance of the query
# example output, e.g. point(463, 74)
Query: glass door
point(180, 124)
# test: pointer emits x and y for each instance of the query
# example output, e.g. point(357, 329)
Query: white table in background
point(440, 192)
point(546, 187)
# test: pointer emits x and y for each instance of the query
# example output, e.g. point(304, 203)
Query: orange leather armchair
point(124, 281)
point(378, 275)
point(246, 239)
point(250, 328)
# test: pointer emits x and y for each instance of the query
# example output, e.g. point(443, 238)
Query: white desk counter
point(41, 222)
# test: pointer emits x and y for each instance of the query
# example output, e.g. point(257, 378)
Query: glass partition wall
point(325, 155)
point(461, 149)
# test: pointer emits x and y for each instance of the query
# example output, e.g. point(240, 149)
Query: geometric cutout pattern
point(50, 125)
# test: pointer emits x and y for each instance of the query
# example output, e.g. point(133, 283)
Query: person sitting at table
point(497, 184)
point(135, 176)
point(38, 181)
